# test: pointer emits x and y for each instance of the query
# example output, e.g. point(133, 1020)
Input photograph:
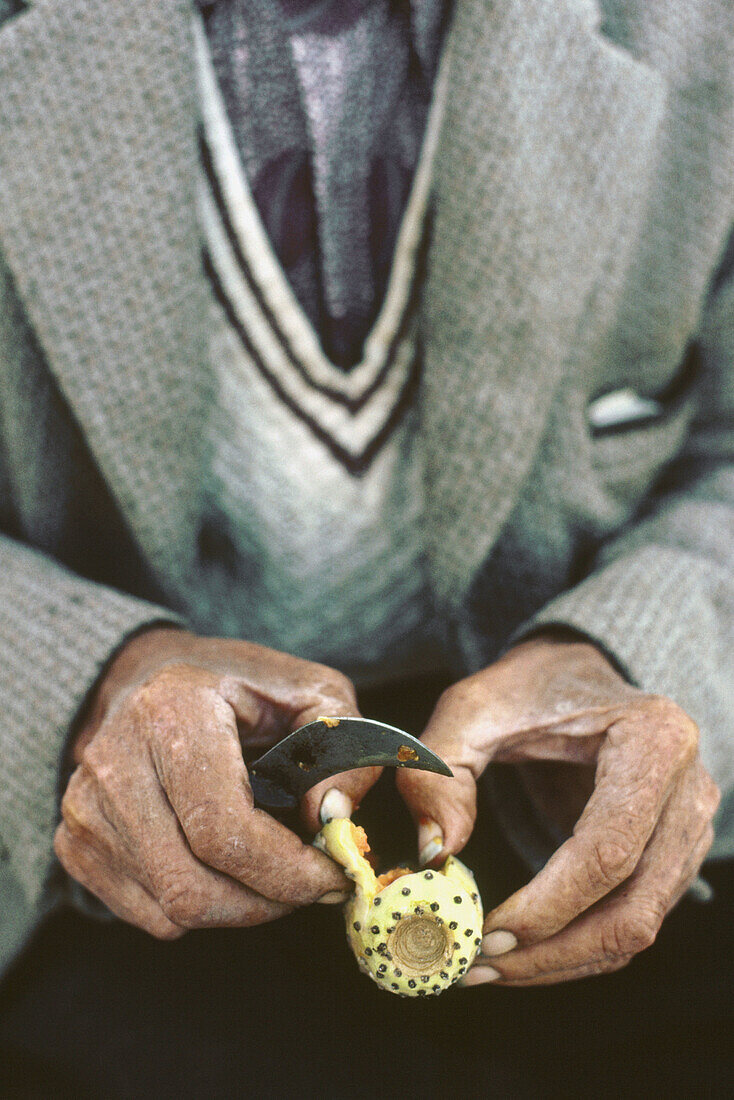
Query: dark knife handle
point(270, 795)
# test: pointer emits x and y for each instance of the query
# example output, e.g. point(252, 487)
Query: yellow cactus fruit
point(414, 933)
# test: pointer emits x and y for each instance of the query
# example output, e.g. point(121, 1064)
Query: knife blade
point(281, 777)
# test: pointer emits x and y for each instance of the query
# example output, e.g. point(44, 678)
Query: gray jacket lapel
point(544, 158)
point(547, 143)
point(97, 223)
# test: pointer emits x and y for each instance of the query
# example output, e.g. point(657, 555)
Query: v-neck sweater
point(327, 101)
point(318, 481)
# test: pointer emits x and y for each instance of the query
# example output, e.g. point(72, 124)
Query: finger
point(191, 893)
point(638, 762)
point(470, 727)
point(339, 702)
point(444, 809)
point(122, 895)
point(692, 871)
point(195, 896)
point(484, 975)
point(627, 921)
point(205, 780)
point(284, 703)
point(708, 797)
point(130, 824)
point(353, 785)
point(557, 961)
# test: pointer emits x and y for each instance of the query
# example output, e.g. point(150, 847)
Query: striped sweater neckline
point(351, 412)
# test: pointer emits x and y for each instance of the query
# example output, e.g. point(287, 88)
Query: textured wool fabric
point(583, 202)
point(289, 426)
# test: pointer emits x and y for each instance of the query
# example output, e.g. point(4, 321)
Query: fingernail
point(335, 804)
point(334, 897)
point(430, 841)
point(498, 943)
point(478, 975)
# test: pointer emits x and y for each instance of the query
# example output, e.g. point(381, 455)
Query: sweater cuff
point(57, 633)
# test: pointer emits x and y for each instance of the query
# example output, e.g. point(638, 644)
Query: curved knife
point(281, 777)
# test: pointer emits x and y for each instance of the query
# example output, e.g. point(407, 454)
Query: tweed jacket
point(583, 194)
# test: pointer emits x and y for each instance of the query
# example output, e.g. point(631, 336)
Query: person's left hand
point(639, 839)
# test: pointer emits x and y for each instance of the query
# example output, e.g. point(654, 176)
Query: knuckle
point(465, 697)
point(181, 900)
point(711, 796)
point(197, 820)
point(64, 847)
point(171, 675)
point(609, 965)
point(75, 814)
point(463, 692)
point(707, 840)
point(634, 931)
point(149, 708)
point(682, 732)
point(611, 861)
point(159, 693)
point(201, 824)
point(332, 684)
point(97, 768)
point(146, 696)
point(164, 929)
point(687, 740)
point(448, 698)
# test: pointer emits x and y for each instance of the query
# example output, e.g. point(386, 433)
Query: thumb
point(445, 809)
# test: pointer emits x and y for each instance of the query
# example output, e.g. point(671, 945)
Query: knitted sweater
point(318, 479)
point(583, 185)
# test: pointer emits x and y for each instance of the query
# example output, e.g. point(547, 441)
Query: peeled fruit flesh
point(414, 933)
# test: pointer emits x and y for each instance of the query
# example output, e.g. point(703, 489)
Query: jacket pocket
point(634, 433)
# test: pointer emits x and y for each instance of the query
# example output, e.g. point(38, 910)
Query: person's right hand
point(158, 818)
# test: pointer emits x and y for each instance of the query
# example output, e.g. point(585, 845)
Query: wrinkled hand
point(158, 818)
point(640, 838)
